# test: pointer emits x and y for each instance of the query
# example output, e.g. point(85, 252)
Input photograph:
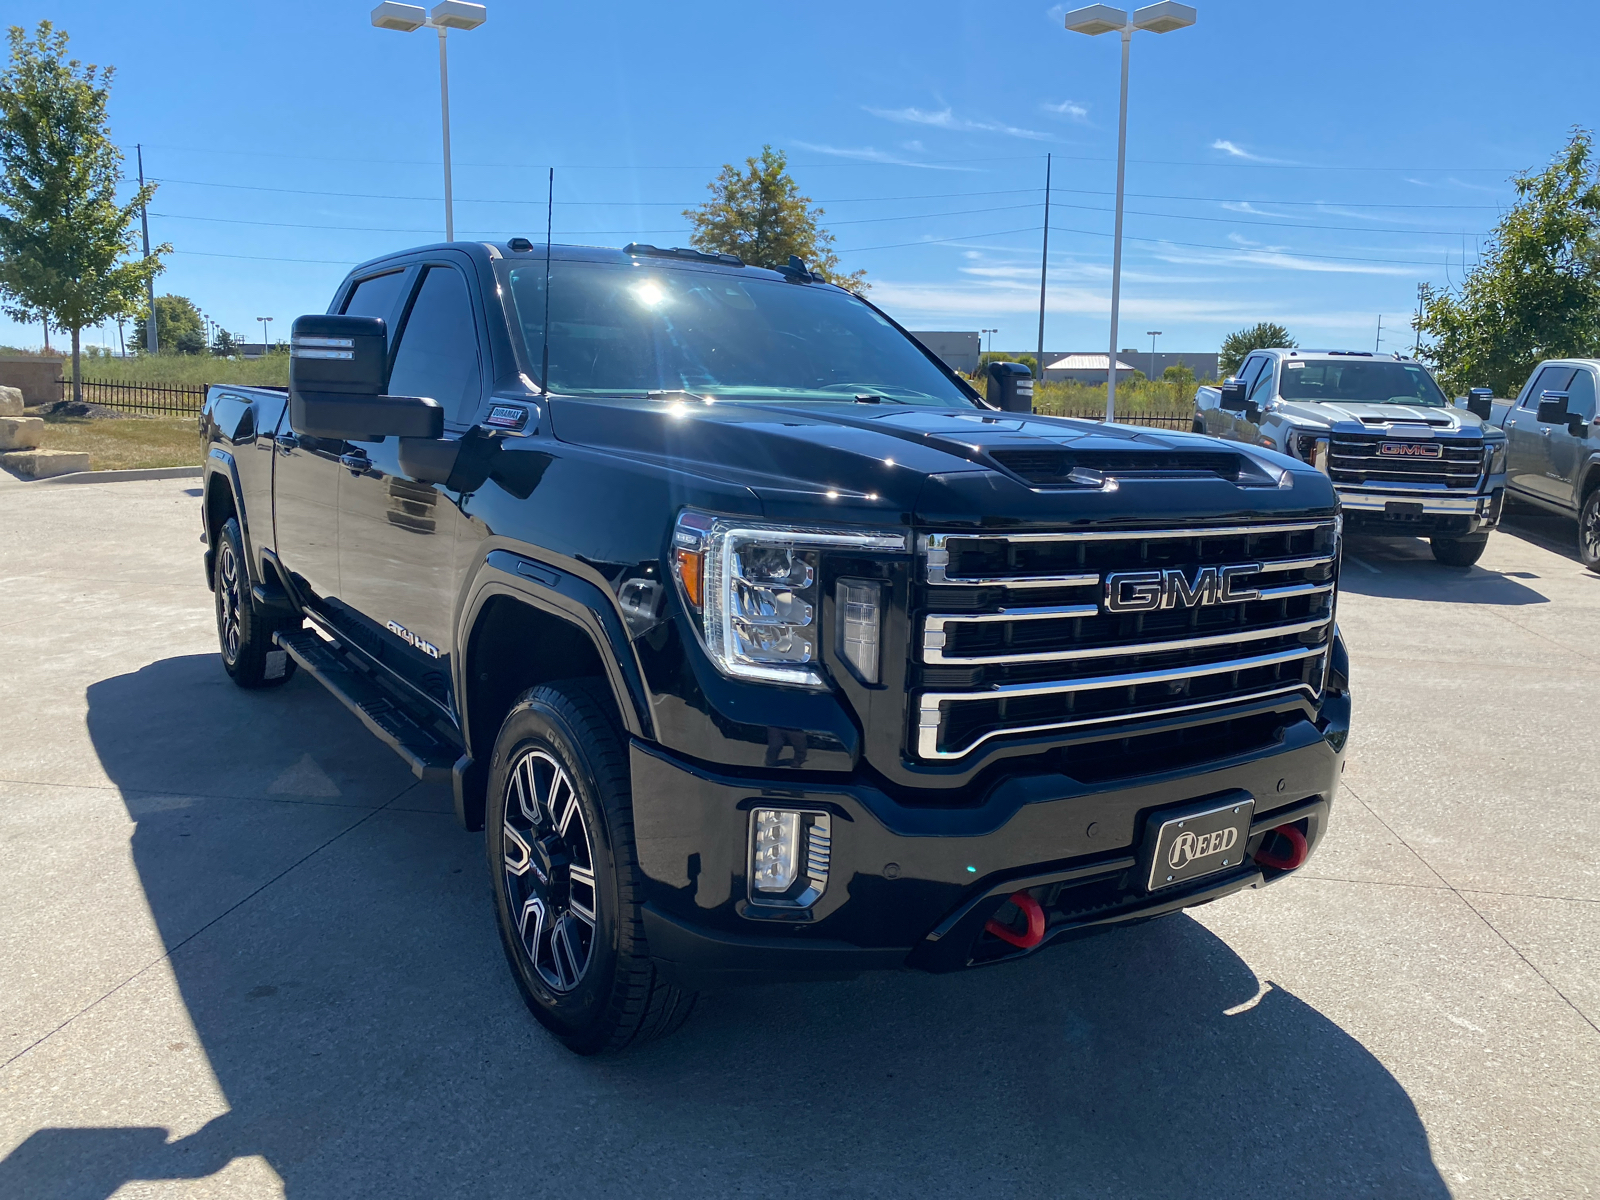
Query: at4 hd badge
point(411, 639)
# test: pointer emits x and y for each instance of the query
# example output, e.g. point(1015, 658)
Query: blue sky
point(1305, 163)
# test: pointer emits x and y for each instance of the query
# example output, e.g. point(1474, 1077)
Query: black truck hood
point(901, 464)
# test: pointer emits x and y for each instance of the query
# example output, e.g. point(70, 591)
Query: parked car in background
point(1404, 462)
point(1553, 447)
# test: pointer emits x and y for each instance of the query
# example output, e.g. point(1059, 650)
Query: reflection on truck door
point(1528, 442)
point(1568, 452)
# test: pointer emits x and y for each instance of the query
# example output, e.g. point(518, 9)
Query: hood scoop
point(1089, 467)
point(1436, 422)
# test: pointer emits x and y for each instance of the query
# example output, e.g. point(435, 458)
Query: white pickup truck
point(1404, 462)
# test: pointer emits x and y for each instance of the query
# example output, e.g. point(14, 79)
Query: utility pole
point(1044, 262)
point(152, 336)
point(1154, 334)
point(1422, 300)
point(1379, 339)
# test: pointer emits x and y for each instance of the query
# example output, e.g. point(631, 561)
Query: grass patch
point(129, 443)
point(194, 370)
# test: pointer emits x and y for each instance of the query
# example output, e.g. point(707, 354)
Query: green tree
point(66, 245)
point(1536, 292)
point(1181, 376)
point(225, 344)
point(1263, 336)
point(760, 215)
point(177, 321)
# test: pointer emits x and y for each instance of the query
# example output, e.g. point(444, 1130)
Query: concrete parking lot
point(243, 953)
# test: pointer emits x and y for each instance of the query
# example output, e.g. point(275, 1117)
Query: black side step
point(429, 757)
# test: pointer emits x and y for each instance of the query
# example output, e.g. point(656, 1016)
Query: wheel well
point(219, 507)
point(1590, 482)
point(514, 647)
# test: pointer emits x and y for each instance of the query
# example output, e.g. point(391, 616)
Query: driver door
point(1528, 463)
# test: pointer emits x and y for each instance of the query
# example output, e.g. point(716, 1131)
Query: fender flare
point(218, 461)
point(576, 601)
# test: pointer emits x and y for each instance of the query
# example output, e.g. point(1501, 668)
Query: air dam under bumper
point(915, 886)
point(1453, 515)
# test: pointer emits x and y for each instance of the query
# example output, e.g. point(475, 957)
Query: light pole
point(266, 347)
point(991, 333)
point(1152, 334)
point(444, 16)
point(1102, 18)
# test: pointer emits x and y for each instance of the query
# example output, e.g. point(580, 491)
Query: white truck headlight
point(1310, 448)
point(757, 587)
point(1494, 457)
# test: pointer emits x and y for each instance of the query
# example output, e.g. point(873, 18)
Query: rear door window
point(1580, 402)
point(378, 296)
point(1551, 379)
point(438, 354)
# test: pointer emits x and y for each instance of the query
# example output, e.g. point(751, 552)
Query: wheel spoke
point(517, 853)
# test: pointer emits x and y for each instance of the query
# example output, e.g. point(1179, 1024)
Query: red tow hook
point(1296, 853)
point(1035, 931)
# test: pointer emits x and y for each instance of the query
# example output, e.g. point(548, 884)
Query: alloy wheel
point(1590, 531)
point(228, 601)
point(549, 870)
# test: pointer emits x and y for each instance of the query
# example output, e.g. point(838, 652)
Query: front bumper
point(913, 886)
point(1408, 514)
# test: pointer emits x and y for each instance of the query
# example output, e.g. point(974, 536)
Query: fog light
point(778, 872)
point(774, 849)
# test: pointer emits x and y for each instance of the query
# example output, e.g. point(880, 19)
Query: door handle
point(1545, 431)
point(287, 442)
point(356, 464)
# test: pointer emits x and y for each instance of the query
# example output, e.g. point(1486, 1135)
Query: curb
point(124, 476)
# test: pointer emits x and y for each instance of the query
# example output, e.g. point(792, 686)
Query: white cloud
point(870, 154)
point(1234, 150)
point(1244, 206)
point(916, 300)
point(1453, 182)
point(1068, 108)
point(946, 119)
point(1276, 258)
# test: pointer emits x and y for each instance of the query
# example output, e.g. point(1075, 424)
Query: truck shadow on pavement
point(1405, 569)
point(337, 958)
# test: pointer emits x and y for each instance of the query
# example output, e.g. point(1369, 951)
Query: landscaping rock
point(20, 433)
point(43, 464)
point(10, 402)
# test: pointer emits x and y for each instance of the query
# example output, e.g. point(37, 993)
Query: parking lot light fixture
point(444, 16)
point(1094, 20)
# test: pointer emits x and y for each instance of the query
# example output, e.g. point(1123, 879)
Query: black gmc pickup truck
point(757, 643)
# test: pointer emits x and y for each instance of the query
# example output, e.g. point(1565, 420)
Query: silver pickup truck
point(1404, 462)
point(1553, 445)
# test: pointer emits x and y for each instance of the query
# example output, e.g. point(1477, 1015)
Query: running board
point(429, 757)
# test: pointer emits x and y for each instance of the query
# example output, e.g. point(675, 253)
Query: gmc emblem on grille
point(1410, 450)
point(1146, 591)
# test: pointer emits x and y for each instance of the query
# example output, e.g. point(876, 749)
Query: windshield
point(1361, 380)
point(632, 329)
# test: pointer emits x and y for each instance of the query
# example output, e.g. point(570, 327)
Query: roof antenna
point(549, 224)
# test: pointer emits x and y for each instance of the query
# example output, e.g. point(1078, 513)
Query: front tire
point(1589, 531)
point(567, 888)
point(244, 631)
point(1459, 552)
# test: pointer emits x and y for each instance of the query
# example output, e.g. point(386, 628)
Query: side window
point(1247, 372)
point(1581, 401)
point(438, 355)
point(376, 297)
point(1261, 390)
point(1551, 379)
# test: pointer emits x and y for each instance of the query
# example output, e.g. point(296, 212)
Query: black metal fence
point(164, 399)
point(1159, 420)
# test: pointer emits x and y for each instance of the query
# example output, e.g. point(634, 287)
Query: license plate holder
point(1197, 839)
point(1402, 508)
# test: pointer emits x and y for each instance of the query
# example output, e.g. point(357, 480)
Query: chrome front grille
point(1018, 634)
point(1356, 460)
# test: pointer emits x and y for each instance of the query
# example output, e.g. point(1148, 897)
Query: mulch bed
point(77, 408)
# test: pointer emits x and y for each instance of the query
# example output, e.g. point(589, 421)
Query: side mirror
point(1480, 402)
point(1553, 408)
point(1232, 396)
point(338, 369)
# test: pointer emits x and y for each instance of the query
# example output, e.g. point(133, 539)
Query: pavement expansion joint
point(1476, 911)
point(234, 907)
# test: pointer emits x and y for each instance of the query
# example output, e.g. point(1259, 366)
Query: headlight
point(759, 589)
point(1494, 455)
point(1310, 448)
